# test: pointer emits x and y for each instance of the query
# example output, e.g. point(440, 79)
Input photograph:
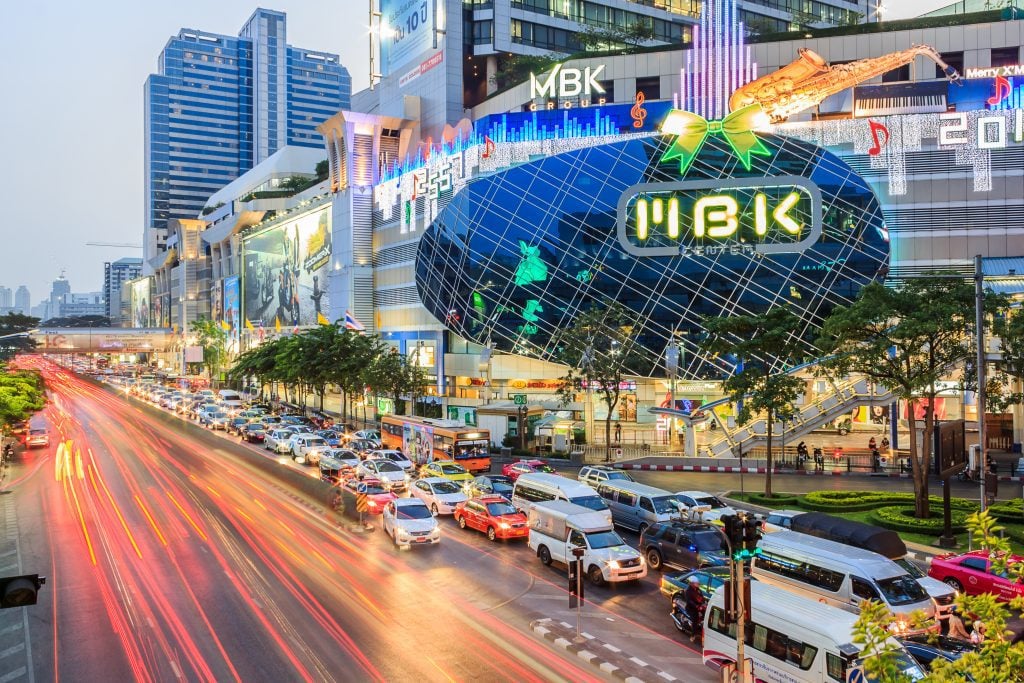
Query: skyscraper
point(23, 300)
point(221, 104)
point(59, 295)
point(6, 297)
point(114, 275)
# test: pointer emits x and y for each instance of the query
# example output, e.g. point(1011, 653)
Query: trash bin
point(506, 452)
point(576, 458)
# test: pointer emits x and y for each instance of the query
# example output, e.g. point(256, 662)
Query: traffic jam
point(412, 472)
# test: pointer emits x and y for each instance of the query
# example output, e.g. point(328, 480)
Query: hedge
point(776, 501)
point(1009, 511)
point(901, 518)
point(859, 501)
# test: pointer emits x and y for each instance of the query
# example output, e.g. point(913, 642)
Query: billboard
point(231, 312)
point(142, 304)
point(418, 443)
point(407, 31)
point(285, 271)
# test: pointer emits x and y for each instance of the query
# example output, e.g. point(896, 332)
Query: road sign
point(519, 399)
point(362, 505)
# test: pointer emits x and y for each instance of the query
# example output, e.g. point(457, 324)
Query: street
point(167, 558)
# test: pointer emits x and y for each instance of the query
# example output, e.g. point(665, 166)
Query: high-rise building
point(6, 297)
point(221, 104)
point(60, 294)
point(114, 275)
point(23, 300)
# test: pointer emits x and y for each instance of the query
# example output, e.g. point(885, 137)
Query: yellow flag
point(322, 319)
point(277, 324)
point(225, 326)
point(248, 325)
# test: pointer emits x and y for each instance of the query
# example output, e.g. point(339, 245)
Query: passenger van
point(637, 506)
point(792, 638)
point(838, 574)
point(229, 399)
point(536, 487)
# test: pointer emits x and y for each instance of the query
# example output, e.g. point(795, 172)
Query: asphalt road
point(168, 558)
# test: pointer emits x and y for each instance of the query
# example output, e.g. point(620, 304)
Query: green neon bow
point(693, 129)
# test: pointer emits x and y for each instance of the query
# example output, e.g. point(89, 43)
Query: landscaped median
point(895, 511)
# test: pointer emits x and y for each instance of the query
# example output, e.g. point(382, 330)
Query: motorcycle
point(681, 617)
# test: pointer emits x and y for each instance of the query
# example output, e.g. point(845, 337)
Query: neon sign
point(700, 218)
point(563, 82)
point(996, 71)
point(991, 132)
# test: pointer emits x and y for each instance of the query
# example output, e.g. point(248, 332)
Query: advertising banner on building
point(285, 272)
point(142, 304)
point(418, 443)
point(231, 312)
point(407, 31)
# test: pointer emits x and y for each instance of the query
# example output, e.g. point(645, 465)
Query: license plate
point(422, 540)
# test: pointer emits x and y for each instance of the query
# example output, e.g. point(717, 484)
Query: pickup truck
point(557, 526)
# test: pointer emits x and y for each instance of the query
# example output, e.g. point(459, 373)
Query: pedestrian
point(956, 628)
point(872, 444)
point(618, 432)
point(819, 459)
point(837, 453)
point(876, 460)
point(978, 632)
point(885, 443)
point(991, 483)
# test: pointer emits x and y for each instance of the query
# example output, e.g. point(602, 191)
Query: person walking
point(872, 444)
point(618, 432)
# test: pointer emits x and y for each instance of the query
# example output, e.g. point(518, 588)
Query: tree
point(21, 395)
point(631, 36)
point(214, 342)
point(323, 168)
point(13, 334)
point(906, 338)
point(762, 343)
point(392, 374)
point(601, 351)
point(259, 362)
point(354, 353)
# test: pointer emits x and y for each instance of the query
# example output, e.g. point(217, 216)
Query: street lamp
point(587, 361)
point(672, 354)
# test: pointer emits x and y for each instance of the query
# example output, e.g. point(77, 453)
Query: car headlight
point(505, 525)
point(613, 564)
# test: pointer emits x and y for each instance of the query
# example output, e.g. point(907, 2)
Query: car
point(442, 495)
point(393, 476)
point(446, 469)
point(254, 432)
point(972, 573)
point(297, 420)
point(929, 649)
point(307, 448)
point(396, 457)
point(777, 520)
point(704, 506)
point(494, 516)
point(37, 436)
point(684, 545)
point(598, 474)
point(271, 420)
point(216, 419)
point(486, 484)
point(369, 434)
point(409, 522)
point(711, 579)
point(512, 470)
point(346, 457)
point(237, 424)
point(332, 437)
point(363, 445)
point(277, 440)
point(377, 495)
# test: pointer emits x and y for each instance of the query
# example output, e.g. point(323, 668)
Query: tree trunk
point(768, 461)
point(917, 469)
point(608, 437)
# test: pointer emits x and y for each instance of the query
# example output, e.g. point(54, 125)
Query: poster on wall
point(142, 304)
point(407, 31)
point(418, 443)
point(231, 313)
point(286, 270)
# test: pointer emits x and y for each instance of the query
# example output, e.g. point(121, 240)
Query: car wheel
point(595, 576)
point(954, 584)
point(491, 536)
point(462, 522)
point(654, 558)
point(544, 554)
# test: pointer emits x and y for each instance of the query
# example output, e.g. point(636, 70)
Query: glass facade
point(517, 255)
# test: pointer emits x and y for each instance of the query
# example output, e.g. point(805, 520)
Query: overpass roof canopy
point(104, 339)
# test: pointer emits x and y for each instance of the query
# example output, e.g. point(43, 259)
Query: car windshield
point(387, 466)
point(37, 431)
point(445, 487)
point(218, 413)
point(712, 501)
point(910, 669)
point(329, 435)
point(371, 489)
point(620, 475)
point(911, 568)
point(708, 541)
point(665, 505)
point(592, 502)
point(316, 442)
point(499, 479)
point(901, 590)
point(500, 509)
point(452, 469)
point(413, 512)
point(544, 468)
point(604, 539)
point(254, 428)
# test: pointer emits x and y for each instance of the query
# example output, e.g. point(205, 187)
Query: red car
point(972, 573)
point(376, 495)
point(513, 469)
point(492, 515)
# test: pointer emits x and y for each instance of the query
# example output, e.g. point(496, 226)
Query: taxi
point(446, 469)
point(377, 496)
point(494, 516)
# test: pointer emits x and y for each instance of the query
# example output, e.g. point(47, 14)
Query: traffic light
point(18, 591)
point(576, 582)
point(751, 534)
point(733, 531)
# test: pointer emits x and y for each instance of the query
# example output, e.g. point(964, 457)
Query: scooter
point(681, 617)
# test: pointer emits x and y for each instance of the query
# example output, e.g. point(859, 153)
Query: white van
point(637, 506)
point(229, 399)
point(792, 638)
point(538, 487)
point(838, 574)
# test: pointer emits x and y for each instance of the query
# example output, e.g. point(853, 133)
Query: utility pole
point(672, 365)
point(979, 322)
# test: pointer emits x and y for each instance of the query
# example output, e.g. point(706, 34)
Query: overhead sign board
point(407, 31)
point(995, 71)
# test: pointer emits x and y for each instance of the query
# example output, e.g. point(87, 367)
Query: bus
point(424, 440)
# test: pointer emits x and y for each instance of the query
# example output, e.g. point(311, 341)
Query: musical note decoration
point(876, 129)
point(638, 112)
point(1002, 91)
point(488, 147)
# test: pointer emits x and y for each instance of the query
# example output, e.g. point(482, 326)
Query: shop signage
point(990, 132)
point(996, 71)
point(771, 215)
point(562, 82)
point(519, 399)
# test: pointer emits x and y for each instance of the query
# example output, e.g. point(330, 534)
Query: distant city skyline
point(85, 183)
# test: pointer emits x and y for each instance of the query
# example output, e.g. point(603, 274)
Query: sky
point(71, 126)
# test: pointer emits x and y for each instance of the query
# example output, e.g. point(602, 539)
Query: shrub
point(859, 501)
point(775, 501)
point(901, 518)
point(1009, 511)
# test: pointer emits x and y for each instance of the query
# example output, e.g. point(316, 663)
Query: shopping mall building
point(843, 156)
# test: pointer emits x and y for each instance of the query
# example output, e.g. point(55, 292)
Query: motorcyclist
point(694, 608)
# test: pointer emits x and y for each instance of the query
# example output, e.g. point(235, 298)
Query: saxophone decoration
point(810, 79)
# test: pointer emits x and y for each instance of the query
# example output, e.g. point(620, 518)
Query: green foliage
point(1008, 511)
point(21, 395)
point(12, 341)
point(214, 340)
point(774, 501)
point(323, 169)
point(765, 343)
point(872, 635)
point(627, 38)
point(901, 518)
point(392, 374)
point(857, 501)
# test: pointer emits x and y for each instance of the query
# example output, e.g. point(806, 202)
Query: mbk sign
point(562, 83)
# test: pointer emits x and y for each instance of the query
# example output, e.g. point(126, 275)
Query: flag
point(352, 323)
point(277, 324)
point(321, 319)
point(295, 330)
point(225, 326)
point(262, 333)
point(248, 325)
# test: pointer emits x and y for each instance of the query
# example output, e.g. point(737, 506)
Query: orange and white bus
point(424, 440)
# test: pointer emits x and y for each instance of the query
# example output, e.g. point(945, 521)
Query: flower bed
point(901, 518)
point(775, 502)
point(859, 501)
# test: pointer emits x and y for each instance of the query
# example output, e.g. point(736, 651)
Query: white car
point(345, 457)
point(396, 457)
point(703, 506)
point(307, 448)
point(277, 440)
point(370, 434)
point(409, 522)
point(442, 495)
point(391, 475)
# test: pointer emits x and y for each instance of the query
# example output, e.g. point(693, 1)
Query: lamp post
point(588, 361)
point(979, 322)
point(672, 353)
